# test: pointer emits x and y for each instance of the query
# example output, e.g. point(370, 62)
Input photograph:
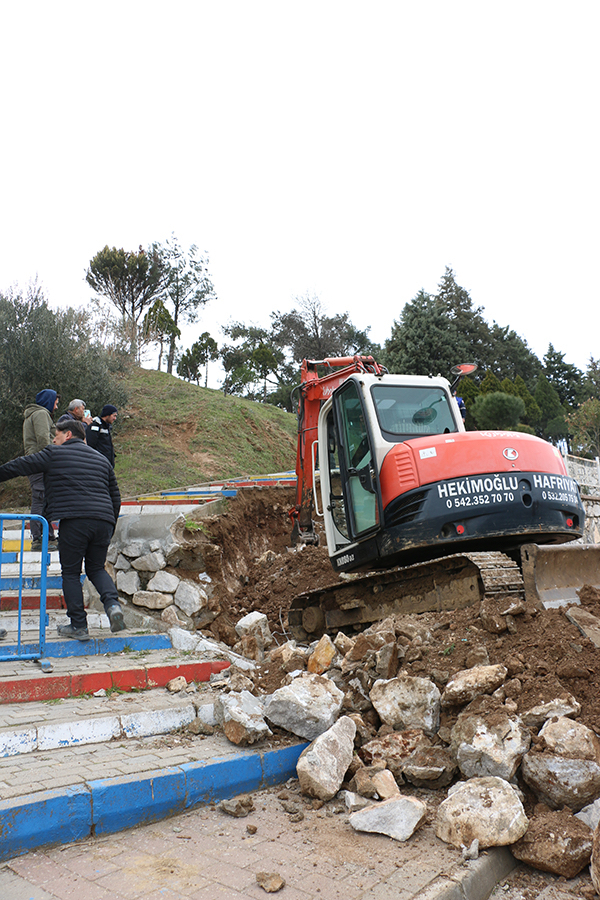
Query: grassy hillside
point(174, 434)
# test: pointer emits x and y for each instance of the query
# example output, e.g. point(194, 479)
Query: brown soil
point(547, 656)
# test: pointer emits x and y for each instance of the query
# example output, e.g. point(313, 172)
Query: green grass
point(174, 434)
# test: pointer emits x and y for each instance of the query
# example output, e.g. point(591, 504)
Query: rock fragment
point(322, 766)
point(241, 717)
point(398, 818)
point(271, 882)
point(555, 842)
point(468, 684)
point(407, 702)
point(486, 809)
point(307, 707)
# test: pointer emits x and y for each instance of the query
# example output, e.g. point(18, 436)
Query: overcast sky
point(353, 150)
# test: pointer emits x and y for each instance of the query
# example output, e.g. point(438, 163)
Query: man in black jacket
point(81, 491)
point(98, 432)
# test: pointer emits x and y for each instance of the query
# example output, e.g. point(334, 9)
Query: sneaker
point(53, 544)
point(115, 617)
point(36, 546)
point(3, 633)
point(78, 634)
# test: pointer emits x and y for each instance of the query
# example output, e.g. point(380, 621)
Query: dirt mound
point(256, 569)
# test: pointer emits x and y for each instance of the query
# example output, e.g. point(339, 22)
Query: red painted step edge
point(53, 601)
point(54, 687)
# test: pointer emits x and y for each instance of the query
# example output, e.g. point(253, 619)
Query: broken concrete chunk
point(177, 684)
point(322, 766)
point(486, 809)
point(398, 818)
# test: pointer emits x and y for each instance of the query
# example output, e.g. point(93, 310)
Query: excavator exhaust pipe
point(554, 573)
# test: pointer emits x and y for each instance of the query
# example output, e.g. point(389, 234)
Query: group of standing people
point(70, 467)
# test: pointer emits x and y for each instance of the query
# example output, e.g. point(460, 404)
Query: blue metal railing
point(20, 650)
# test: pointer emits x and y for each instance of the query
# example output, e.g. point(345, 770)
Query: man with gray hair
point(76, 411)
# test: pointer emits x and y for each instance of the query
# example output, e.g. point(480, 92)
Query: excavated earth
point(255, 568)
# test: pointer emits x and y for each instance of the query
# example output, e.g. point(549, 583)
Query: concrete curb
point(108, 806)
point(472, 880)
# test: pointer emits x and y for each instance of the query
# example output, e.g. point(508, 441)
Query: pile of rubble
point(529, 780)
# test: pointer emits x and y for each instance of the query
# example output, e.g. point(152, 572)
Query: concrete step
point(109, 712)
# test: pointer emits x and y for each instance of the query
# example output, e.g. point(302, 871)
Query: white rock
point(128, 582)
point(397, 818)
point(241, 717)
point(164, 582)
point(150, 562)
point(306, 707)
point(486, 809)
point(570, 739)
point(489, 743)
point(353, 801)
point(322, 766)
point(407, 702)
point(590, 814)
point(152, 599)
point(133, 549)
point(189, 598)
point(256, 624)
point(468, 684)
point(563, 706)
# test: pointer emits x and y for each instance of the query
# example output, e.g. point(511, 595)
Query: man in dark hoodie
point(81, 491)
point(38, 432)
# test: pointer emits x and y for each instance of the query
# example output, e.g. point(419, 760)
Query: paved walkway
point(204, 854)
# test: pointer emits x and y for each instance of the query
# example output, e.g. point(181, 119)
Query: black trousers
point(38, 505)
point(79, 540)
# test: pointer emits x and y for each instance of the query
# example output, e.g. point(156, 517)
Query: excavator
point(436, 516)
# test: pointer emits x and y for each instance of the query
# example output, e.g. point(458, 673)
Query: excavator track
point(451, 582)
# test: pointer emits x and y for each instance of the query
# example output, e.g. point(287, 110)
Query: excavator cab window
point(357, 462)
point(406, 412)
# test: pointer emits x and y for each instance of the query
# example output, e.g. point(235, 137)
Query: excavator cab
point(363, 419)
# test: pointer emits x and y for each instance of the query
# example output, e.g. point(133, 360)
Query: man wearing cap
point(98, 432)
point(38, 432)
point(76, 411)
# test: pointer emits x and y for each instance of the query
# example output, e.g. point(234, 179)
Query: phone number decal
point(480, 500)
